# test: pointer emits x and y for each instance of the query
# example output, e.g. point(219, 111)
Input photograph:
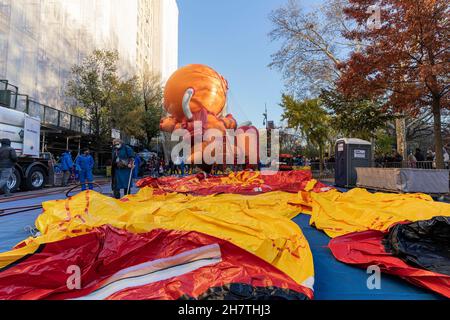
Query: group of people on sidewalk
point(422, 161)
point(177, 167)
point(123, 167)
point(83, 164)
point(415, 159)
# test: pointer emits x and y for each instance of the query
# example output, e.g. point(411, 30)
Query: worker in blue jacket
point(85, 162)
point(66, 167)
point(137, 166)
point(122, 168)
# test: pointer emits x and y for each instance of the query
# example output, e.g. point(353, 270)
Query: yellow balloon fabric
point(358, 210)
point(260, 224)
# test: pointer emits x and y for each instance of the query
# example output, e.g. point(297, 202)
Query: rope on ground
point(69, 191)
point(16, 210)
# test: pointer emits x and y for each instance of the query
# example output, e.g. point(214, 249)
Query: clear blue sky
point(231, 36)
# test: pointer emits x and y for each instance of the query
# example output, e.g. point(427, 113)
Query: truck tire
point(15, 181)
point(36, 179)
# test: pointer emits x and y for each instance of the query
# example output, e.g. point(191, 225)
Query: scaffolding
point(51, 118)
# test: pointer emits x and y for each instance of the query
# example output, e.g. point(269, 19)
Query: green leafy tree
point(309, 151)
point(290, 142)
point(93, 86)
point(139, 107)
point(310, 119)
point(126, 112)
point(152, 103)
point(133, 105)
point(383, 143)
point(358, 118)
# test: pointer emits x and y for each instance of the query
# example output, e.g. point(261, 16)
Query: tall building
point(40, 40)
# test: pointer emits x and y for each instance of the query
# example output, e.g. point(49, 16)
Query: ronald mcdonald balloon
point(198, 94)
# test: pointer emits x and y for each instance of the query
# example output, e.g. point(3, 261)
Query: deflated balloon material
point(259, 224)
point(425, 244)
point(115, 264)
point(358, 210)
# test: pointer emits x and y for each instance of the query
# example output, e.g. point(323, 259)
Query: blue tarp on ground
point(334, 280)
point(338, 281)
point(15, 228)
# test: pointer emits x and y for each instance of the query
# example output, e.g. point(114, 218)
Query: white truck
point(33, 168)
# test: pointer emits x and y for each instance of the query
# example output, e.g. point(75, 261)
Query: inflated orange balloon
point(199, 87)
point(197, 93)
point(228, 152)
point(248, 138)
point(168, 124)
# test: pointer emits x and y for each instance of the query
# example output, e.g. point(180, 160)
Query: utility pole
point(268, 132)
point(266, 118)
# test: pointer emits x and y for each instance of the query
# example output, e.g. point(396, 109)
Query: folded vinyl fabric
point(244, 182)
point(424, 244)
point(422, 261)
point(358, 210)
point(259, 224)
point(249, 210)
point(113, 264)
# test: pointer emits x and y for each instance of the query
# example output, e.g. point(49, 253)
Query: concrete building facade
point(40, 40)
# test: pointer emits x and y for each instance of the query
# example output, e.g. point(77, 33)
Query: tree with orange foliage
point(405, 59)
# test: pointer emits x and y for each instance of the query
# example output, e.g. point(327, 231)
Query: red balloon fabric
point(245, 183)
point(365, 249)
point(112, 264)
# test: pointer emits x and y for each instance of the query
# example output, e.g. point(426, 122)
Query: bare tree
point(312, 45)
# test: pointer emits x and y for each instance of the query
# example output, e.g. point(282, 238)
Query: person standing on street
point(85, 162)
point(66, 167)
point(137, 167)
point(430, 155)
point(183, 166)
point(419, 155)
point(8, 159)
point(122, 161)
point(171, 167)
point(446, 158)
point(412, 160)
point(177, 165)
point(420, 158)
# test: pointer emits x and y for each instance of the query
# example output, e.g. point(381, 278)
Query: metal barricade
point(429, 165)
point(8, 94)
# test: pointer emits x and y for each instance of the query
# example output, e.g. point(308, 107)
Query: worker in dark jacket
point(86, 164)
point(66, 166)
point(122, 166)
point(8, 159)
